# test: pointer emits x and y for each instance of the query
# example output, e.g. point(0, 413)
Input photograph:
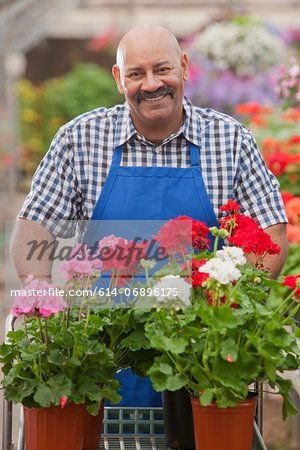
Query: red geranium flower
point(258, 120)
point(291, 281)
point(199, 235)
point(180, 233)
point(277, 161)
point(256, 241)
point(124, 256)
point(293, 233)
point(292, 208)
point(230, 206)
point(175, 235)
point(237, 222)
point(251, 108)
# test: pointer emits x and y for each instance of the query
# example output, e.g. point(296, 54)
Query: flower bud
point(63, 401)
point(257, 280)
point(147, 264)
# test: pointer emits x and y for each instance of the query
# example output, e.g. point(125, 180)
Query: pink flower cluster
point(287, 81)
point(80, 263)
point(38, 298)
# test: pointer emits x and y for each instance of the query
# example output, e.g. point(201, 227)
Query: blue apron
point(150, 193)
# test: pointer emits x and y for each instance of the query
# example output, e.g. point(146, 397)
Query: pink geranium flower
point(38, 298)
point(81, 263)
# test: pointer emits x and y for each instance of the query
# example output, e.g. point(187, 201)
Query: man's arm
point(275, 262)
point(30, 248)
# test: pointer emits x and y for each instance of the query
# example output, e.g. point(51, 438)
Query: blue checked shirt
point(69, 179)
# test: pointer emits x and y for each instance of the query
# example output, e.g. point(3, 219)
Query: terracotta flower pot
point(224, 428)
point(54, 427)
point(92, 429)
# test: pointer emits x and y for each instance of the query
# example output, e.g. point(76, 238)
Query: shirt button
point(157, 150)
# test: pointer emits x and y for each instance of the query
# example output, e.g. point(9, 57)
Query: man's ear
point(185, 66)
point(117, 76)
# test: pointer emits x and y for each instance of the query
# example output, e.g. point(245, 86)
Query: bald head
point(141, 36)
point(150, 72)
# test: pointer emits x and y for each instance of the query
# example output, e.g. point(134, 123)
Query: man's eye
point(134, 74)
point(164, 69)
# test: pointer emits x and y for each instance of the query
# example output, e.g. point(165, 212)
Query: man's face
point(151, 77)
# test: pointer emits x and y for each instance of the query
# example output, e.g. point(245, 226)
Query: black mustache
point(163, 90)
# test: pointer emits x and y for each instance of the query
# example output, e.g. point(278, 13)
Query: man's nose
point(151, 82)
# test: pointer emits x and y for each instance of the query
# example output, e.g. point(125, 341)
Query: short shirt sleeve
point(257, 190)
point(54, 200)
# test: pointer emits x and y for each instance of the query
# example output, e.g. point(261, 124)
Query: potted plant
point(60, 363)
point(214, 328)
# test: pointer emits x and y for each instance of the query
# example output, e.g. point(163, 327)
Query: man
point(155, 127)
point(155, 157)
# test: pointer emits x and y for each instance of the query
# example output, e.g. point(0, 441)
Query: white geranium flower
point(222, 271)
point(233, 254)
point(172, 287)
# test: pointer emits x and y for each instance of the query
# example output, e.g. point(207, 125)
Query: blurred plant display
point(243, 45)
point(277, 134)
point(46, 107)
point(232, 62)
point(291, 37)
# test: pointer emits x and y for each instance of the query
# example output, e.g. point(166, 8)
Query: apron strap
point(194, 151)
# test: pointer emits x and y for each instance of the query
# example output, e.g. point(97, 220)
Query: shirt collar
point(190, 127)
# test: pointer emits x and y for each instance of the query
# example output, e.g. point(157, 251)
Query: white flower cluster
point(246, 49)
point(223, 267)
point(173, 287)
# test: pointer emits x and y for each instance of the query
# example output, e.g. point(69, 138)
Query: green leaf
point(32, 353)
point(19, 390)
point(225, 397)
point(230, 375)
point(199, 375)
point(224, 318)
point(297, 331)
point(290, 363)
point(206, 397)
point(93, 409)
point(285, 386)
point(17, 335)
point(177, 382)
point(229, 348)
point(136, 340)
point(88, 388)
point(288, 408)
point(8, 352)
point(60, 386)
point(163, 378)
point(279, 336)
point(168, 269)
point(55, 357)
point(43, 395)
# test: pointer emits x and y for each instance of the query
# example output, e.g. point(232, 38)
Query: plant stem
point(41, 330)
point(216, 245)
point(46, 335)
point(87, 319)
point(25, 327)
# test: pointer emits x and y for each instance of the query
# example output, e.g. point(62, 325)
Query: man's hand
point(25, 259)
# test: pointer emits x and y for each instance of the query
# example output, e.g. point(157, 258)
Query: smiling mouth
point(155, 99)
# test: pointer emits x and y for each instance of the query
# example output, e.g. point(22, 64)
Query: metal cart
point(123, 428)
